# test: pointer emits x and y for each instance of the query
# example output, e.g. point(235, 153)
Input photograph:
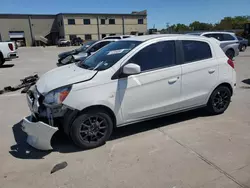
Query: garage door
point(16, 34)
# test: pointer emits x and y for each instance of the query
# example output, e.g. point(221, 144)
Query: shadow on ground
point(246, 81)
point(61, 143)
point(7, 66)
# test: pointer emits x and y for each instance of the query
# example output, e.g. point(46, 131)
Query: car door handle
point(173, 80)
point(211, 71)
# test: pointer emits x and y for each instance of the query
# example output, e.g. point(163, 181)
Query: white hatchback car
point(129, 81)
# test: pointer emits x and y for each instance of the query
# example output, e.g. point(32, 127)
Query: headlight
point(57, 96)
point(67, 59)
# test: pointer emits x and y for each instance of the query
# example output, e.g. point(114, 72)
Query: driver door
point(156, 90)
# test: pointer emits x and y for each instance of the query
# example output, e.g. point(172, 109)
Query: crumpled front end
point(39, 133)
point(44, 121)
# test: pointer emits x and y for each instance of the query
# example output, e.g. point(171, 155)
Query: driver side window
point(99, 46)
point(155, 56)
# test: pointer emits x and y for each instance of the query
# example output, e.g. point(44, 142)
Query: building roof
point(141, 13)
point(134, 13)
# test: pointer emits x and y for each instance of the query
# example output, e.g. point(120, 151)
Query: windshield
point(85, 46)
point(108, 55)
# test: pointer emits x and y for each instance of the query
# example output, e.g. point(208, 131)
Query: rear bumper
point(39, 133)
point(12, 55)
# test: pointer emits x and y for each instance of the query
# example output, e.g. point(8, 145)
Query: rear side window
point(155, 56)
point(228, 37)
point(217, 36)
point(195, 51)
point(99, 46)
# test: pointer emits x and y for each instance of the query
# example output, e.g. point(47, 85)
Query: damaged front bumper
point(39, 133)
point(44, 121)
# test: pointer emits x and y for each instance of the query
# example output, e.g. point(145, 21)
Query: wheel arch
point(102, 107)
point(72, 114)
point(221, 84)
point(226, 85)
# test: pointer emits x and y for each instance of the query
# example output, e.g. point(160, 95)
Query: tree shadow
point(7, 66)
point(62, 144)
point(246, 81)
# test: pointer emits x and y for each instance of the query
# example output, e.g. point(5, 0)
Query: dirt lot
point(185, 150)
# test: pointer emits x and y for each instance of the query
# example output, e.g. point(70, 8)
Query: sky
point(160, 12)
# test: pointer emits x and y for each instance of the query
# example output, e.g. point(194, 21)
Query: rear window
point(228, 37)
point(217, 36)
point(195, 51)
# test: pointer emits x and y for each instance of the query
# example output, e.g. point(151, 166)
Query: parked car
point(76, 41)
point(228, 42)
point(7, 51)
point(243, 44)
point(129, 81)
point(118, 37)
point(63, 42)
point(84, 47)
point(87, 52)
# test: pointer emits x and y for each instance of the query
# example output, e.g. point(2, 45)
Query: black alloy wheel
point(91, 129)
point(219, 100)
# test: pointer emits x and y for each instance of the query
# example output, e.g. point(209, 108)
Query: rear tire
point(230, 53)
point(243, 48)
point(91, 129)
point(2, 60)
point(219, 100)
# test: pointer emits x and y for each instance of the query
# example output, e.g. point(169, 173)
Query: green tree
point(228, 23)
point(200, 26)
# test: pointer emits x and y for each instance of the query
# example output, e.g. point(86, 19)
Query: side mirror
point(131, 69)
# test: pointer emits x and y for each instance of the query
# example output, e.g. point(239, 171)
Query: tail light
point(231, 63)
point(10, 46)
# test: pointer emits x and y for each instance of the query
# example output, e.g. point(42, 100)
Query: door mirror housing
point(131, 69)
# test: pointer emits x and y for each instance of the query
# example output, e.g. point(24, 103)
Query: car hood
point(63, 76)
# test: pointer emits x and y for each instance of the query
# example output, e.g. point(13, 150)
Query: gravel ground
point(185, 150)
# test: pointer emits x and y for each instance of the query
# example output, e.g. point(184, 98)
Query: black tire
point(243, 48)
point(219, 100)
point(2, 60)
point(230, 53)
point(87, 133)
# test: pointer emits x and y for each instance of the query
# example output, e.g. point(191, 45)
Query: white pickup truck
point(7, 51)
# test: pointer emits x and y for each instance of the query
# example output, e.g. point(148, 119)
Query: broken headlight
point(57, 96)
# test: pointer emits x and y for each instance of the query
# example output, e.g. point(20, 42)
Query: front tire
point(219, 100)
point(91, 129)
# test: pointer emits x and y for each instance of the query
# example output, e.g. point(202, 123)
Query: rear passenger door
point(199, 72)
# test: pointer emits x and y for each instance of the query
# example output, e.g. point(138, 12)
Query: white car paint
point(69, 74)
point(5, 50)
point(39, 134)
point(145, 95)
